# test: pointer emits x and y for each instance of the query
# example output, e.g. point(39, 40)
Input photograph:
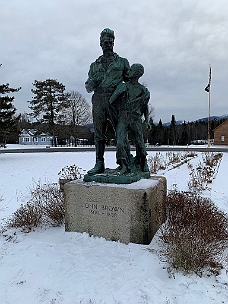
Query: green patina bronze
point(105, 74)
point(120, 98)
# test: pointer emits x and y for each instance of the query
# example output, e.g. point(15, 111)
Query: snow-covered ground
point(53, 266)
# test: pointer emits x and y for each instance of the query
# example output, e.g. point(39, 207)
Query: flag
point(208, 87)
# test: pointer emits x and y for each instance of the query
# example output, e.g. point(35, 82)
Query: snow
point(53, 266)
point(141, 184)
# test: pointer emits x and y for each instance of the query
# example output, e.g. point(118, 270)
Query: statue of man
point(105, 74)
point(131, 100)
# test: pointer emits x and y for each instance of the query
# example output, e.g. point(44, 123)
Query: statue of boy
point(105, 74)
point(131, 100)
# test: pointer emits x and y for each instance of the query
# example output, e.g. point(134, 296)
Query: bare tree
point(24, 121)
point(151, 111)
point(77, 112)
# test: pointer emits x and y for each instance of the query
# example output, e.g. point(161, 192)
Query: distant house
point(221, 134)
point(32, 137)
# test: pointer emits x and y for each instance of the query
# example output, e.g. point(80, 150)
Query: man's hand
point(93, 82)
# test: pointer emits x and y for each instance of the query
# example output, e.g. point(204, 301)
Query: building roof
point(32, 132)
point(222, 124)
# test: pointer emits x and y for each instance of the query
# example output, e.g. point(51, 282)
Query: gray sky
point(175, 40)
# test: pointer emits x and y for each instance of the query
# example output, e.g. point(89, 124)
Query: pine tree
point(48, 101)
point(160, 132)
point(160, 124)
point(8, 121)
point(173, 131)
point(184, 134)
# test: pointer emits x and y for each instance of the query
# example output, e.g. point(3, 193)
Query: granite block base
point(126, 213)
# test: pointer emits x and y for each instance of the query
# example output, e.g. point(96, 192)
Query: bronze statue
point(131, 100)
point(120, 98)
point(105, 74)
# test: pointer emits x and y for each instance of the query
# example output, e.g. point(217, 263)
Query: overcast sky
point(175, 40)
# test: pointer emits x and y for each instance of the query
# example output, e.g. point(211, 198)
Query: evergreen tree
point(8, 120)
point(49, 100)
point(160, 132)
point(184, 134)
point(160, 124)
point(172, 135)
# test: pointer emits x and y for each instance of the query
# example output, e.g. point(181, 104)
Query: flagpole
point(208, 89)
point(209, 110)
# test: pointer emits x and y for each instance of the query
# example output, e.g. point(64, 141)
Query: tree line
point(53, 110)
point(185, 133)
point(61, 113)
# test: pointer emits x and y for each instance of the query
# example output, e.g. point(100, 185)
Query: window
point(35, 138)
point(222, 138)
point(43, 138)
point(27, 139)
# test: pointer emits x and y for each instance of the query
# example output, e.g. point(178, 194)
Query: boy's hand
point(148, 125)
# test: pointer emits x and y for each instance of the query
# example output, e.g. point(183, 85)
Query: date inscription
point(106, 210)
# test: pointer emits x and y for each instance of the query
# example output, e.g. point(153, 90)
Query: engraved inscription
point(106, 210)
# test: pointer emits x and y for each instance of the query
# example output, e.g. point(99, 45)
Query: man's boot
point(99, 166)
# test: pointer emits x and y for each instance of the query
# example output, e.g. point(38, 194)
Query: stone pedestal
point(128, 213)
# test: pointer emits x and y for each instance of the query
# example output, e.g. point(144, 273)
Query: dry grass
point(195, 233)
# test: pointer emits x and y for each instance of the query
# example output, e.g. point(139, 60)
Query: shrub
point(212, 159)
point(205, 171)
point(46, 207)
point(172, 159)
point(195, 233)
point(156, 163)
point(70, 173)
point(1, 199)
point(51, 200)
point(26, 217)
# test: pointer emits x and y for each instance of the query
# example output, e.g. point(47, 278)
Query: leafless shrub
point(9, 236)
point(51, 199)
point(46, 207)
point(205, 171)
point(156, 163)
point(69, 173)
point(195, 233)
point(26, 217)
point(212, 159)
point(72, 172)
point(173, 159)
point(1, 199)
